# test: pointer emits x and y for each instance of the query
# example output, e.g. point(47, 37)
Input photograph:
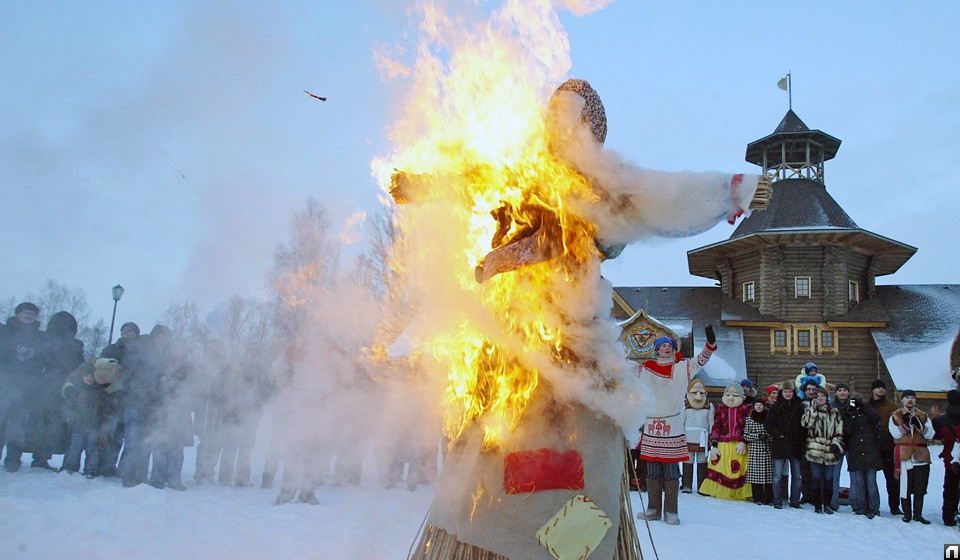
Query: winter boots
point(687, 478)
point(905, 507)
point(918, 509)
point(267, 480)
point(671, 491)
point(654, 500)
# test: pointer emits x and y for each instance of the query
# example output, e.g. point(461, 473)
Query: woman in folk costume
point(727, 475)
point(663, 443)
point(759, 463)
point(697, 423)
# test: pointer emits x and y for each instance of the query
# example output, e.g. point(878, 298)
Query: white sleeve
point(633, 203)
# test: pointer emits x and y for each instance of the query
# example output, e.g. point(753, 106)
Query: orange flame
point(475, 129)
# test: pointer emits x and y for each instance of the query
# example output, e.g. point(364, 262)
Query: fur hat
point(787, 386)
point(810, 366)
point(106, 371)
point(27, 306)
point(877, 383)
point(908, 393)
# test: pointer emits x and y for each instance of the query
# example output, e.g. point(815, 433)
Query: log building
point(797, 284)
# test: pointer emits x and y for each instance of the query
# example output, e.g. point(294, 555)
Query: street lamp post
point(117, 294)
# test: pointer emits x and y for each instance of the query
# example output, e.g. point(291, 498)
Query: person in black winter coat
point(143, 369)
point(861, 433)
point(21, 366)
point(63, 353)
point(113, 407)
point(947, 426)
point(787, 444)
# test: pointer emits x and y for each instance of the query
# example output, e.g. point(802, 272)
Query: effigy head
point(696, 394)
point(733, 395)
point(577, 94)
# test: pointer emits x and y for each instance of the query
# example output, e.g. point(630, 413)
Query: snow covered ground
point(48, 515)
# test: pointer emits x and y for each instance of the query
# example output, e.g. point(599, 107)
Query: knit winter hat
point(131, 325)
point(772, 388)
point(810, 366)
point(27, 306)
point(877, 383)
point(908, 393)
point(746, 383)
point(842, 385)
point(953, 396)
point(664, 340)
point(809, 380)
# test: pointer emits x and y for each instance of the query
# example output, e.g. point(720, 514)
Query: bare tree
point(94, 338)
point(307, 263)
point(184, 320)
point(57, 297)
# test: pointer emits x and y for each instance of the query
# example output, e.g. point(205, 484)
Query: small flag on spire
point(782, 84)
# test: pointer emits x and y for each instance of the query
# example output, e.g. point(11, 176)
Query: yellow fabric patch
point(574, 531)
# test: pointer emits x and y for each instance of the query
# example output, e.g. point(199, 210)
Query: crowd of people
point(130, 412)
point(804, 431)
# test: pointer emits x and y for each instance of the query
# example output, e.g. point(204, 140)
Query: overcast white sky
point(164, 147)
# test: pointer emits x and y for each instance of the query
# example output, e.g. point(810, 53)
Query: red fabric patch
point(542, 469)
point(735, 466)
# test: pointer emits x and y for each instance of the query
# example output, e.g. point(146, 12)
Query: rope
point(633, 476)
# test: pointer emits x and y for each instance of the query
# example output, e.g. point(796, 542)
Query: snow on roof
point(927, 369)
point(917, 343)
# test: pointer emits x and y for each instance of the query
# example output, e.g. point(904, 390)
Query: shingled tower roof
point(801, 210)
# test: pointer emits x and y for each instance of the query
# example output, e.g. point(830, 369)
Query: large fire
point(475, 146)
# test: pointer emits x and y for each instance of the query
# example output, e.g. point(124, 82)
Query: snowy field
point(48, 515)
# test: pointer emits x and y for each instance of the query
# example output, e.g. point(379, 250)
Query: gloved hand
point(711, 337)
point(714, 455)
point(102, 442)
point(916, 423)
point(836, 449)
point(741, 448)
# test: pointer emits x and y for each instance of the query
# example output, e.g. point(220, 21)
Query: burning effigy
point(506, 204)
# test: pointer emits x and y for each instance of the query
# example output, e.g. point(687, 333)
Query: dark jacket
point(783, 425)
point(947, 426)
point(117, 350)
point(21, 350)
point(144, 367)
point(861, 433)
point(884, 408)
point(82, 405)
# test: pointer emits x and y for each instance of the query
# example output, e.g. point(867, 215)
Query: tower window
point(748, 291)
point(853, 291)
point(802, 286)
